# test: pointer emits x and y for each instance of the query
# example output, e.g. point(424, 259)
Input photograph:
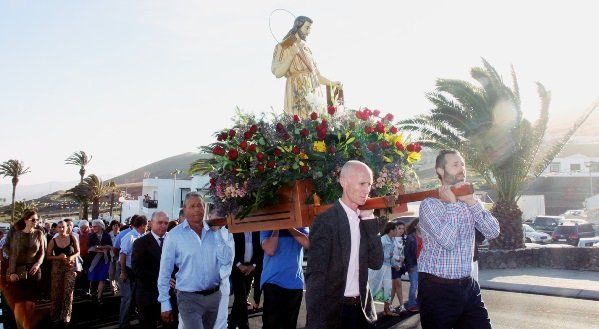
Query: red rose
point(222, 136)
point(277, 152)
point(332, 149)
point(372, 147)
point(393, 130)
point(260, 156)
point(247, 135)
point(271, 164)
point(321, 135)
point(313, 116)
point(243, 145)
point(368, 129)
point(304, 132)
point(376, 113)
point(212, 182)
point(410, 147)
point(399, 146)
point(380, 128)
point(304, 169)
point(260, 168)
point(367, 113)
point(416, 147)
point(280, 127)
point(218, 150)
point(296, 118)
point(296, 150)
point(232, 133)
point(252, 148)
point(384, 144)
point(389, 117)
point(357, 144)
point(331, 109)
point(253, 129)
point(286, 136)
point(232, 154)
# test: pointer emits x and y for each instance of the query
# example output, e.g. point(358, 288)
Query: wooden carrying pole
point(381, 202)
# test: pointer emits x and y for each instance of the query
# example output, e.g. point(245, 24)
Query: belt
point(351, 300)
point(207, 292)
point(450, 282)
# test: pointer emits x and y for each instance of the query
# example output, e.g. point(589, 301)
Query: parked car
point(530, 235)
point(546, 224)
point(571, 233)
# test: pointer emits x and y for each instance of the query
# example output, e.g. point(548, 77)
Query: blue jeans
point(127, 295)
point(413, 275)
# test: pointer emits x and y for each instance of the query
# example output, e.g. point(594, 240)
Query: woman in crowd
point(380, 280)
point(115, 229)
point(26, 254)
point(62, 251)
point(412, 250)
point(398, 271)
point(100, 245)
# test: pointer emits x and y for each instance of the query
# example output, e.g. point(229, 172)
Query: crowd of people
point(180, 273)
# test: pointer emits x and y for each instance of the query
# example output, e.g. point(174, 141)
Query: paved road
point(526, 311)
point(515, 310)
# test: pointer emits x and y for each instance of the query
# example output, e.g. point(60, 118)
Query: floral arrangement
point(255, 157)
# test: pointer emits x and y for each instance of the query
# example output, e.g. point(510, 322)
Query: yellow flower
point(413, 157)
point(303, 156)
point(320, 146)
point(394, 138)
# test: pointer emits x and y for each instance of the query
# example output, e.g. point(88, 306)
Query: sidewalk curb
point(541, 290)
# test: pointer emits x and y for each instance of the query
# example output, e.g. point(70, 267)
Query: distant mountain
point(160, 169)
point(35, 191)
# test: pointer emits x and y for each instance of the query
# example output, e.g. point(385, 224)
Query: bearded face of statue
point(304, 31)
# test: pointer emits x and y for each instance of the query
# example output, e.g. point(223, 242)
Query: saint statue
point(293, 59)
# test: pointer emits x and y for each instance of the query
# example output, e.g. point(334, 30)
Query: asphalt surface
point(517, 310)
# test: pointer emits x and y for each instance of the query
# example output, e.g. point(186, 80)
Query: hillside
point(159, 169)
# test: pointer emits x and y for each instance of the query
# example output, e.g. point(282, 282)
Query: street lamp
point(591, 165)
point(174, 173)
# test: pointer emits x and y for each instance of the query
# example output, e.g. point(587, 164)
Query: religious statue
point(293, 59)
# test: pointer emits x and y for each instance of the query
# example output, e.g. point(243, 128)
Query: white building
point(164, 195)
point(575, 160)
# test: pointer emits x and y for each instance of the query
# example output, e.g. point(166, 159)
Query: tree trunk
point(95, 208)
point(509, 217)
point(85, 206)
point(14, 189)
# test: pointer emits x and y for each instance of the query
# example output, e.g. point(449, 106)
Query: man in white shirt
point(344, 243)
point(200, 252)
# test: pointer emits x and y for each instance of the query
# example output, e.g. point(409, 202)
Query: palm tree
point(79, 159)
point(14, 169)
point(485, 123)
point(81, 194)
point(97, 189)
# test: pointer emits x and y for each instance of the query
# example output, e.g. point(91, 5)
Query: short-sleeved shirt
point(127, 245)
point(284, 268)
point(119, 237)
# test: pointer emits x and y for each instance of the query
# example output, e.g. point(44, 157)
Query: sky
point(133, 82)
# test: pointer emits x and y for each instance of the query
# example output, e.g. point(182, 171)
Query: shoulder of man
point(326, 215)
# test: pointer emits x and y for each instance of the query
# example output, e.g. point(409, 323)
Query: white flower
point(315, 101)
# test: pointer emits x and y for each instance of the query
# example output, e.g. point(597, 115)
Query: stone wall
point(586, 259)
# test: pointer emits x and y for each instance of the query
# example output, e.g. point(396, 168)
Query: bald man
point(343, 245)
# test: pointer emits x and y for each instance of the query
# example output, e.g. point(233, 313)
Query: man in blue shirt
point(282, 280)
point(139, 225)
point(200, 252)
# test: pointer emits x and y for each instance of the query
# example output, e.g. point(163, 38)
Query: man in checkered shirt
point(449, 297)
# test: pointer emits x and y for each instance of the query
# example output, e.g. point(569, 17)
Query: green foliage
point(485, 123)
